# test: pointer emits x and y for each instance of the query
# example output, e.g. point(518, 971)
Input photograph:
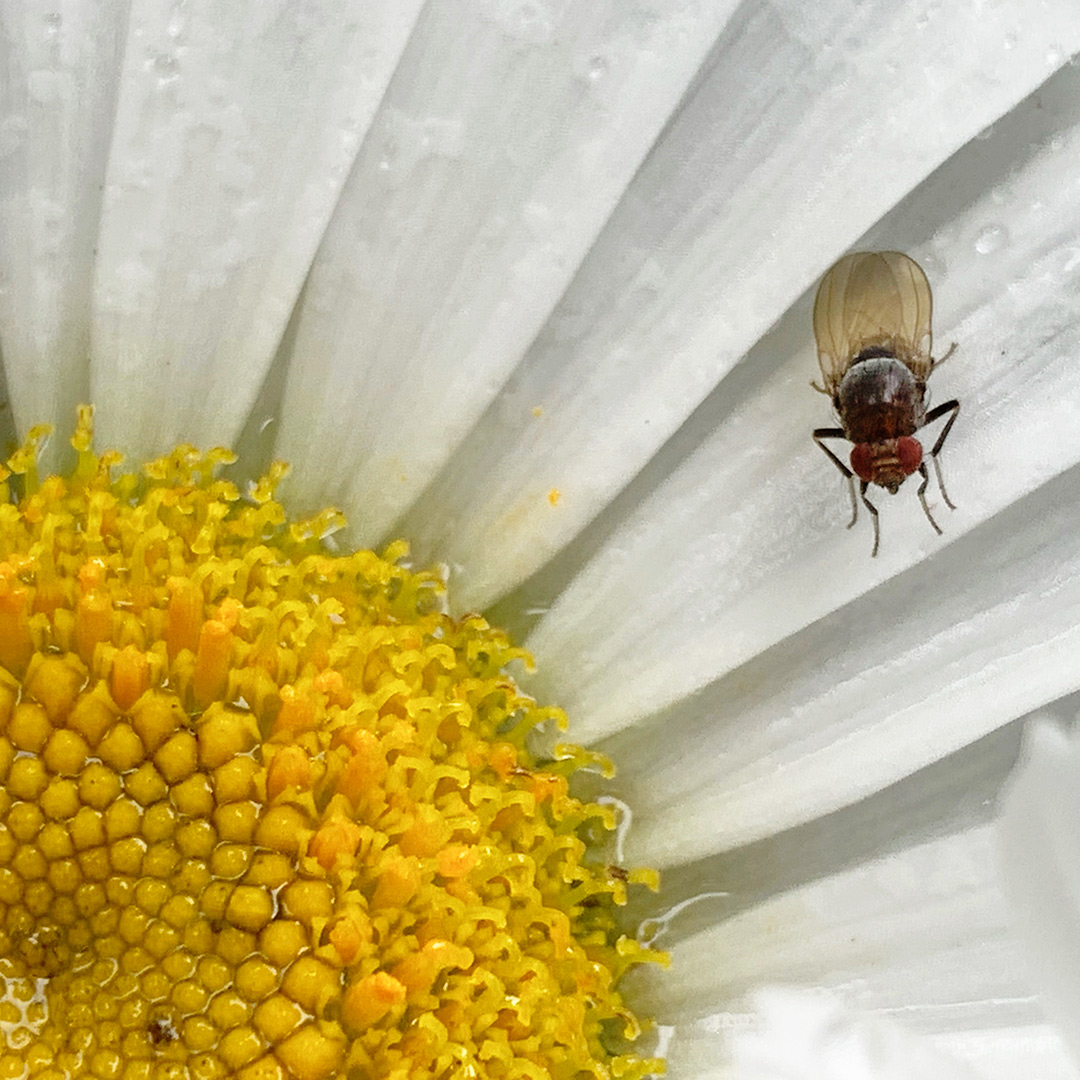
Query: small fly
point(872, 324)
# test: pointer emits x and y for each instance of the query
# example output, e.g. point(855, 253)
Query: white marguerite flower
point(528, 283)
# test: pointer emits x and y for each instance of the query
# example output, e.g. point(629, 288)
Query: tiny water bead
point(991, 238)
point(268, 812)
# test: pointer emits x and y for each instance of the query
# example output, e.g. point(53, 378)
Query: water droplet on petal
point(990, 239)
point(166, 67)
point(528, 22)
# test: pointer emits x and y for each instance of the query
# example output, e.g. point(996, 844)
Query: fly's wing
point(868, 299)
point(915, 305)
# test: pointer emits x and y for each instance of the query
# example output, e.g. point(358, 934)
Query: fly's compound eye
point(909, 451)
point(862, 461)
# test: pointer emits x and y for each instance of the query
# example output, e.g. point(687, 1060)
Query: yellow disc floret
point(267, 812)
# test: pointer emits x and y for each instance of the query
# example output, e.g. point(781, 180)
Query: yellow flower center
point(268, 812)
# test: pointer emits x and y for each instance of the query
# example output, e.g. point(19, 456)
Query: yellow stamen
point(268, 813)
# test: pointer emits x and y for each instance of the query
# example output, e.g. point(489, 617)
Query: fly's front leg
point(935, 364)
point(863, 485)
point(922, 497)
point(838, 433)
point(936, 414)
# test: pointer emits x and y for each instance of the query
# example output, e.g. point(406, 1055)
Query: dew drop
point(528, 22)
point(165, 67)
point(597, 68)
point(990, 239)
point(176, 23)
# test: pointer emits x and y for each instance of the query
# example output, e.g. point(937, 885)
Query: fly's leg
point(854, 504)
point(941, 359)
point(922, 497)
point(863, 485)
point(838, 433)
point(941, 484)
point(936, 414)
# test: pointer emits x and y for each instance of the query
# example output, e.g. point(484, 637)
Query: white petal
point(507, 136)
point(1005, 1052)
point(919, 936)
point(236, 127)
point(802, 1035)
point(785, 1020)
point(957, 646)
point(743, 545)
point(922, 930)
point(60, 64)
point(1040, 843)
point(807, 125)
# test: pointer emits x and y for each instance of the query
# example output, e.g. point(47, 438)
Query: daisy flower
point(527, 284)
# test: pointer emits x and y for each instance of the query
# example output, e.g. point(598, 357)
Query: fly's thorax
point(879, 399)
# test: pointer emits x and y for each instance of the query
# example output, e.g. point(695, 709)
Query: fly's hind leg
point(941, 484)
point(936, 414)
point(854, 504)
point(863, 485)
point(922, 496)
point(838, 433)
